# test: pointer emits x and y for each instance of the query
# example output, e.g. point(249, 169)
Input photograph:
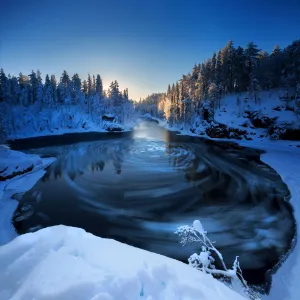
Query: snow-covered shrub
point(204, 261)
point(112, 126)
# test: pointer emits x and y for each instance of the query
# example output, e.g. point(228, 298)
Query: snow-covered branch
point(204, 261)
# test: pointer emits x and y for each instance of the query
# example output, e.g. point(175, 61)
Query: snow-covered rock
point(13, 163)
point(67, 263)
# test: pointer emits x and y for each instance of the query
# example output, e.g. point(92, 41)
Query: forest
point(29, 104)
point(232, 70)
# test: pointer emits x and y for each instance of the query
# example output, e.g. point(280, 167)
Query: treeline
point(29, 89)
point(230, 70)
point(27, 99)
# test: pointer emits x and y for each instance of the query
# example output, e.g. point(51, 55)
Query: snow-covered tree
point(251, 53)
point(213, 94)
point(205, 262)
point(3, 85)
point(99, 86)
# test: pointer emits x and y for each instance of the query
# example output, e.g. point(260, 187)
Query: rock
point(248, 138)
point(222, 131)
point(284, 131)
point(260, 120)
point(108, 117)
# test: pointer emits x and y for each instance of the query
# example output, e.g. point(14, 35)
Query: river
point(138, 188)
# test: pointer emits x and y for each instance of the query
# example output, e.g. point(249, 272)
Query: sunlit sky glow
point(145, 45)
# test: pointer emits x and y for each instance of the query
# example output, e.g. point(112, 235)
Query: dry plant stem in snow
point(205, 262)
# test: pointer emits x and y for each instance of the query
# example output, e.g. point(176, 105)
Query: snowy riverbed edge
point(18, 184)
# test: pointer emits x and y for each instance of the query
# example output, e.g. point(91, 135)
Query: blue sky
point(143, 44)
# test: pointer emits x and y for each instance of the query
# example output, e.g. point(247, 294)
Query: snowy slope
point(67, 263)
point(31, 168)
point(232, 114)
point(59, 121)
point(235, 115)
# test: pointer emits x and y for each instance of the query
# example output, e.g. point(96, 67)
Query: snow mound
point(63, 262)
point(14, 163)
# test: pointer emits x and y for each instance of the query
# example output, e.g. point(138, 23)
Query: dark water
point(139, 189)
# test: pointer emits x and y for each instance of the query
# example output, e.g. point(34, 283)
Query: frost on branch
point(205, 261)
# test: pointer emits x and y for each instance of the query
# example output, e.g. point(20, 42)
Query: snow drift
point(68, 263)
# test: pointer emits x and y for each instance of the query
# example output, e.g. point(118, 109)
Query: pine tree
point(85, 88)
point(15, 90)
point(169, 90)
point(228, 53)
point(114, 94)
point(251, 53)
point(64, 88)
point(212, 92)
point(213, 67)
point(53, 84)
point(90, 85)
point(34, 86)
point(76, 88)
point(25, 93)
point(293, 64)
point(219, 74)
point(3, 85)
point(241, 81)
point(99, 86)
point(276, 50)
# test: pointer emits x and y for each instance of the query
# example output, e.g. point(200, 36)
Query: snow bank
point(63, 262)
point(285, 283)
point(23, 171)
point(14, 163)
point(284, 158)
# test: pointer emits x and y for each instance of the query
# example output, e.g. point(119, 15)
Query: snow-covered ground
point(36, 123)
point(67, 263)
point(269, 108)
point(232, 114)
point(21, 172)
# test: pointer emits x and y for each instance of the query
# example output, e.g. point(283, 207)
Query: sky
point(144, 45)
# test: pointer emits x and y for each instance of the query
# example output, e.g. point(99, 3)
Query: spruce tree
point(251, 53)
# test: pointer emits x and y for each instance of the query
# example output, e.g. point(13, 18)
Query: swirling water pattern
point(138, 190)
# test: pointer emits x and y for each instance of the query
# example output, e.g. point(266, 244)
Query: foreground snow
point(63, 262)
point(23, 171)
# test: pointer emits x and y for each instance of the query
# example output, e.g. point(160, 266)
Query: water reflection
point(139, 189)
